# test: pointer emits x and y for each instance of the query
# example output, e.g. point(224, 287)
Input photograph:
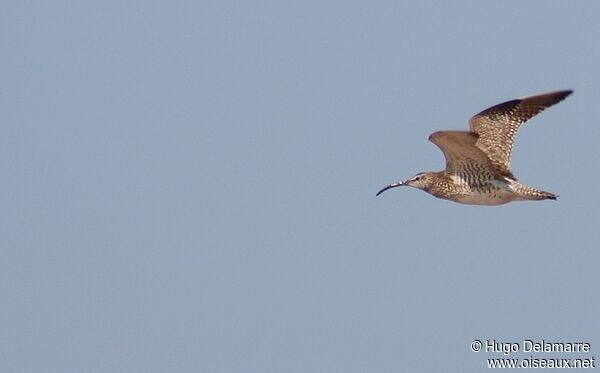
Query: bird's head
point(422, 181)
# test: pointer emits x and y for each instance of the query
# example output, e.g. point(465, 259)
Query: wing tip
point(453, 135)
point(566, 93)
point(555, 96)
point(434, 135)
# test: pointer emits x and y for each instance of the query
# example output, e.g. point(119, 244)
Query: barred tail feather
point(528, 193)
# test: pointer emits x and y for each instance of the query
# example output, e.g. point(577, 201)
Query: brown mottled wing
point(463, 157)
point(497, 126)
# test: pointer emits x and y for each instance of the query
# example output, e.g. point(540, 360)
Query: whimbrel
point(478, 161)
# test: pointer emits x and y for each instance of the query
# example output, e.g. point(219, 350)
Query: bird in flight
point(478, 161)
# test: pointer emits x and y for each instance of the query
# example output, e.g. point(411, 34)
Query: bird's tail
point(528, 193)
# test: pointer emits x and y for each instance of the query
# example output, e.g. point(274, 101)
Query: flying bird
point(478, 161)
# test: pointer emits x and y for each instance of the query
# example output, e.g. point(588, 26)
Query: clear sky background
point(189, 186)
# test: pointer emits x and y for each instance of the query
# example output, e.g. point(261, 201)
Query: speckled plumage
point(478, 162)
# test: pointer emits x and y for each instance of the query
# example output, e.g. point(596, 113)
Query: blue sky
point(190, 186)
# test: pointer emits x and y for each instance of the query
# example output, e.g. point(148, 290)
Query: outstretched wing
point(463, 157)
point(497, 126)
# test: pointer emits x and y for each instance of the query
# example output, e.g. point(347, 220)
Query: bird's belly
point(484, 199)
point(498, 193)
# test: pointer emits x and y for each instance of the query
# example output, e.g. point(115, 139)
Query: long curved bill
point(400, 183)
